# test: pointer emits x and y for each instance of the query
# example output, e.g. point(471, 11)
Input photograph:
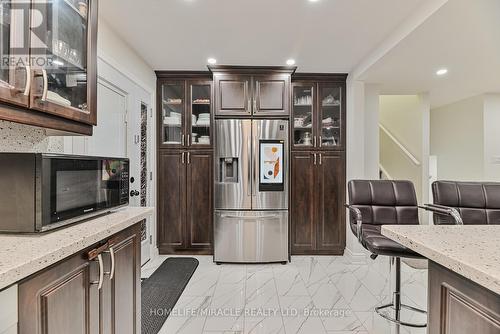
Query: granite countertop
point(22, 255)
point(472, 251)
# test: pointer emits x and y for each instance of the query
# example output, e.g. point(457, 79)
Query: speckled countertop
point(23, 255)
point(471, 251)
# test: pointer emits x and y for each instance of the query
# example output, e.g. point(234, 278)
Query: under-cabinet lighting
point(290, 62)
point(212, 61)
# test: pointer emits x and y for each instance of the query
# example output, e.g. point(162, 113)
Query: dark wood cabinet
point(233, 95)
point(171, 199)
point(185, 205)
point(60, 300)
point(318, 112)
point(252, 91)
point(460, 306)
point(302, 206)
point(185, 159)
point(318, 165)
point(271, 95)
point(330, 199)
point(67, 298)
point(59, 89)
point(317, 197)
point(185, 115)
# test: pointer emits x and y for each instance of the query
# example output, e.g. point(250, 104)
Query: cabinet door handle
point(320, 160)
point(101, 273)
point(314, 154)
point(182, 140)
point(182, 158)
point(28, 81)
point(189, 140)
point(320, 140)
point(45, 85)
point(249, 107)
point(111, 253)
point(189, 158)
point(314, 141)
point(254, 105)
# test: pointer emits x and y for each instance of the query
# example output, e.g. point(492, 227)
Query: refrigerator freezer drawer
point(251, 236)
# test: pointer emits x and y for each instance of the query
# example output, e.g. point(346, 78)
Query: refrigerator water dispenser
point(229, 170)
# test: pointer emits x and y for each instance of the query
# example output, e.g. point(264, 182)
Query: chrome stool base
point(397, 315)
point(396, 306)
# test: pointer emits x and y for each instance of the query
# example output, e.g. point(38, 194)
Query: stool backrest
point(384, 202)
point(477, 202)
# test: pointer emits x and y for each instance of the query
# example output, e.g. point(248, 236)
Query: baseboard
point(356, 258)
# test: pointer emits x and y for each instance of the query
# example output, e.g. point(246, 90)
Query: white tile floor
point(310, 295)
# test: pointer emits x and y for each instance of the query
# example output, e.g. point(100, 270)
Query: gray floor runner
point(162, 289)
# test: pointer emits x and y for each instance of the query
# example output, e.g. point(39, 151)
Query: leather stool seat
point(376, 243)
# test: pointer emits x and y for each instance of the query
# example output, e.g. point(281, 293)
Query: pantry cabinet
point(317, 199)
point(185, 205)
point(53, 83)
point(317, 222)
point(185, 162)
point(96, 291)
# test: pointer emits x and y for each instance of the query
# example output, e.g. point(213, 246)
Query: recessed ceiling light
point(290, 62)
point(442, 71)
point(313, 0)
point(212, 61)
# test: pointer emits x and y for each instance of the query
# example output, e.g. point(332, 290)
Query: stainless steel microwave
point(40, 192)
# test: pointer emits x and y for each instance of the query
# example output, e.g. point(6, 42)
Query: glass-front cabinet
point(61, 84)
point(14, 75)
point(199, 133)
point(330, 103)
point(186, 113)
point(173, 113)
point(303, 116)
point(48, 62)
point(317, 115)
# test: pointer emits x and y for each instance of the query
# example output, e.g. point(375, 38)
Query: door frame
point(137, 92)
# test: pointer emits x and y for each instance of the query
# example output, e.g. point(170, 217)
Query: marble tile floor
point(310, 295)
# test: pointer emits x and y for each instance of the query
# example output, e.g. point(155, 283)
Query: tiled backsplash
point(21, 138)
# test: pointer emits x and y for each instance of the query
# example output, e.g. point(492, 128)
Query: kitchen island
point(72, 273)
point(464, 274)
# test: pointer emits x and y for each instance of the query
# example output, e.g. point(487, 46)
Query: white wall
point(404, 139)
point(457, 139)
point(401, 115)
point(491, 119)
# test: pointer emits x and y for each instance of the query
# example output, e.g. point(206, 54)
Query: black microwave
point(41, 192)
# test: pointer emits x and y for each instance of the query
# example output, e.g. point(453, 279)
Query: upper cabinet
point(66, 85)
point(252, 91)
point(52, 72)
point(185, 112)
point(318, 112)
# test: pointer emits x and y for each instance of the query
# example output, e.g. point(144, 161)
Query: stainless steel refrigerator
point(251, 191)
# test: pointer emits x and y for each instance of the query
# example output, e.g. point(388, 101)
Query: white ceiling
point(463, 36)
point(322, 36)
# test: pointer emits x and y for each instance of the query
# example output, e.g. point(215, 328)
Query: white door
point(110, 136)
point(120, 133)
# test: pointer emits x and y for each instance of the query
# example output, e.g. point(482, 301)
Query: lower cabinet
point(317, 198)
point(92, 292)
point(185, 204)
point(460, 306)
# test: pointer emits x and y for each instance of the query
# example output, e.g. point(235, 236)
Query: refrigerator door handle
point(249, 171)
point(249, 217)
point(254, 159)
